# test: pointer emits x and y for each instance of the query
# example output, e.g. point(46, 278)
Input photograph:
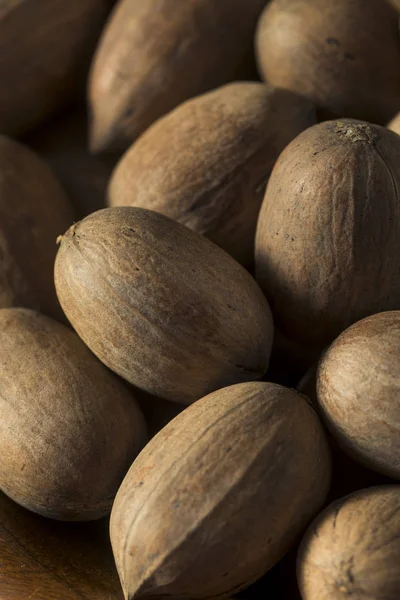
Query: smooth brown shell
point(33, 212)
point(220, 494)
point(69, 429)
point(161, 305)
point(342, 54)
point(155, 54)
point(358, 387)
point(45, 49)
point(207, 163)
point(48, 560)
point(62, 143)
point(352, 549)
point(327, 237)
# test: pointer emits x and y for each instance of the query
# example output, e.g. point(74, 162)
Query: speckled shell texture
point(45, 50)
point(328, 232)
point(220, 494)
point(358, 388)
point(155, 54)
point(344, 55)
point(33, 212)
point(207, 163)
point(161, 305)
point(352, 549)
point(69, 429)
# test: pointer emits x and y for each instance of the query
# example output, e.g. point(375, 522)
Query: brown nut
point(207, 163)
point(220, 494)
point(352, 549)
point(69, 429)
point(344, 55)
point(161, 305)
point(34, 211)
point(358, 388)
point(329, 222)
point(155, 54)
point(45, 50)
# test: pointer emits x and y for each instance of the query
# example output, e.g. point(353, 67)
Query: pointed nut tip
point(67, 235)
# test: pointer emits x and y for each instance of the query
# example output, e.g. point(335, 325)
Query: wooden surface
point(42, 559)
